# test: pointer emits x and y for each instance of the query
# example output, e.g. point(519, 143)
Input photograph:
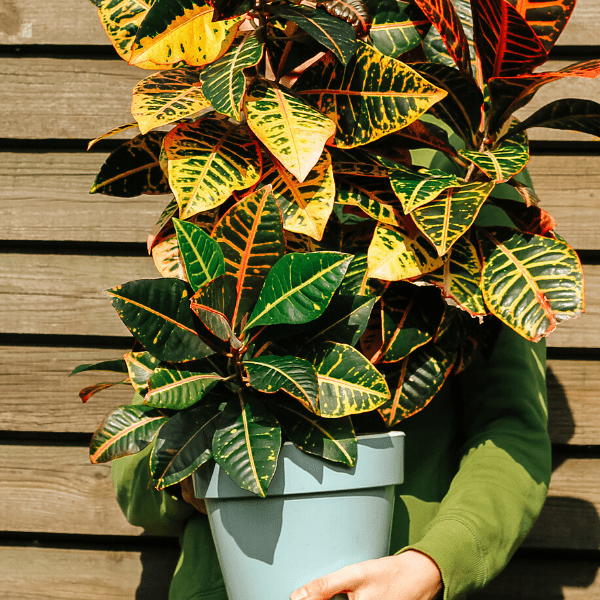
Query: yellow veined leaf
point(167, 258)
point(181, 31)
point(294, 132)
point(305, 206)
point(166, 97)
point(445, 219)
point(393, 255)
point(113, 131)
point(371, 97)
point(208, 160)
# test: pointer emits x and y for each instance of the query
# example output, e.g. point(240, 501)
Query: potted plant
point(322, 274)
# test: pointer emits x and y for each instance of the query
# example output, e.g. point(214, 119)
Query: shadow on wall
point(565, 524)
point(158, 565)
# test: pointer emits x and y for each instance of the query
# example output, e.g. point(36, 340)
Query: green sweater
point(476, 476)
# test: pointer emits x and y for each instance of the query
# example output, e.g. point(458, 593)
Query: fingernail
point(298, 594)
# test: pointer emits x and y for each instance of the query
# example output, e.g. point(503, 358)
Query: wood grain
point(67, 574)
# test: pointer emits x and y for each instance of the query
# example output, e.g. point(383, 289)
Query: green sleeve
point(504, 472)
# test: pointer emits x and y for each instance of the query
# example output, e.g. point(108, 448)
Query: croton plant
point(323, 266)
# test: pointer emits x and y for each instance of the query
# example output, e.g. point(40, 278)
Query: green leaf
point(371, 97)
point(372, 195)
point(299, 288)
point(246, 444)
point(333, 33)
point(354, 161)
point(294, 132)
point(116, 366)
point(530, 282)
point(251, 237)
point(133, 169)
point(415, 381)
point(140, 365)
point(331, 439)
point(158, 313)
point(175, 389)
point(223, 82)
point(126, 430)
point(348, 383)
point(183, 444)
point(166, 97)
point(357, 283)
point(293, 375)
point(201, 254)
point(209, 160)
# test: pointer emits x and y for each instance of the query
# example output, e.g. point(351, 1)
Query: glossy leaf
point(354, 12)
point(530, 218)
point(506, 43)
point(331, 439)
point(166, 97)
point(201, 254)
point(394, 255)
point(140, 365)
point(113, 131)
point(397, 26)
point(505, 160)
point(567, 113)
point(251, 237)
point(223, 81)
point(294, 132)
point(445, 19)
point(417, 188)
point(167, 258)
point(133, 169)
point(333, 33)
point(226, 9)
point(299, 288)
point(208, 160)
point(420, 134)
point(126, 430)
point(91, 390)
point(246, 444)
point(355, 162)
point(371, 97)
point(175, 389)
point(183, 444)
point(307, 206)
point(372, 195)
point(459, 278)
point(181, 31)
point(530, 282)
point(348, 383)
point(163, 224)
point(157, 312)
point(445, 219)
point(293, 375)
point(116, 366)
point(415, 381)
point(356, 282)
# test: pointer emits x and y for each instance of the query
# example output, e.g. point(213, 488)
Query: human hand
point(187, 493)
point(407, 576)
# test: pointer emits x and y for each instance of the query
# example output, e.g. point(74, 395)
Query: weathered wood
point(84, 98)
point(75, 22)
point(54, 187)
point(64, 574)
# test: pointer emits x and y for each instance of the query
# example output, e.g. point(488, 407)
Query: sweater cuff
point(456, 550)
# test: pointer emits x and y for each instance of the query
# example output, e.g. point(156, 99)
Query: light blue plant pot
point(318, 517)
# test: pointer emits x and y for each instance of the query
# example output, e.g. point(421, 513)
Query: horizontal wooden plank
point(75, 22)
point(54, 186)
point(65, 574)
point(79, 98)
point(61, 294)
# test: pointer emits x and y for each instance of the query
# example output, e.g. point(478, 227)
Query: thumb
point(328, 587)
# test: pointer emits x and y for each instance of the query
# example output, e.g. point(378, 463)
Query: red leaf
point(87, 392)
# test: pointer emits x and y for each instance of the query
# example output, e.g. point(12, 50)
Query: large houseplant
point(320, 274)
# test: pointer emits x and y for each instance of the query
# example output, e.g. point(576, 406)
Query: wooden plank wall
point(63, 534)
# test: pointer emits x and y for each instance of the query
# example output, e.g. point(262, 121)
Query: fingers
point(328, 586)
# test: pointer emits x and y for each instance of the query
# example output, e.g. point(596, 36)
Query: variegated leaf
point(126, 430)
point(140, 365)
point(530, 282)
point(167, 97)
point(415, 381)
point(113, 131)
point(163, 224)
point(417, 188)
point(223, 82)
point(251, 237)
point(394, 255)
point(459, 278)
point(371, 97)
point(114, 366)
point(133, 169)
point(226, 9)
point(305, 206)
point(91, 390)
point(348, 383)
point(246, 444)
point(356, 282)
point(356, 162)
point(175, 389)
point(528, 217)
point(167, 257)
point(372, 195)
point(208, 160)
point(294, 132)
point(181, 31)
point(445, 219)
point(505, 160)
